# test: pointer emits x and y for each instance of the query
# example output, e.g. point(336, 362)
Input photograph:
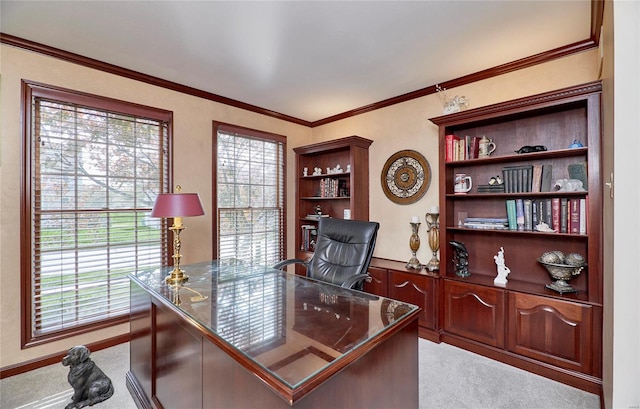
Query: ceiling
point(309, 60)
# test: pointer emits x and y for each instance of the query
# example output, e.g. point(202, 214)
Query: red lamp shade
point(177, 205)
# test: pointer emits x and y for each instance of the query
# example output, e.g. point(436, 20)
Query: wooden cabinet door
point(474, 312)
point(378, 284)
point(177, 360)
point(415, 289)
point(553, 331)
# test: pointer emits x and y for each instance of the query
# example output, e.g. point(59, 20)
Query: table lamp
point(177, 205)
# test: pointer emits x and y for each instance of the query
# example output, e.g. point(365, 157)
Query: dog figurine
point(90, 384)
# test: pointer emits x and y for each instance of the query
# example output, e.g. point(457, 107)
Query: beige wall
point(407, 126)
point(192, 130)
point(402, 126)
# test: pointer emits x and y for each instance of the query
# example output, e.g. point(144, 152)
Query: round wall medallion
point(405, 177)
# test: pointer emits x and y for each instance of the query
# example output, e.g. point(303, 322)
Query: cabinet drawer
point(378, 284)
point(475, 312)
point(415, 289)
point(553, 331)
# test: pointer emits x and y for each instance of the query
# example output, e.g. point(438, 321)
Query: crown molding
point(597, 11)
point(138, 76)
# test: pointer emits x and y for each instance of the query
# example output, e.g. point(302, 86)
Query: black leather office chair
point(343, 252)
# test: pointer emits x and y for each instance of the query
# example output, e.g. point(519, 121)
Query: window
point(249, 185)
point(92, 169)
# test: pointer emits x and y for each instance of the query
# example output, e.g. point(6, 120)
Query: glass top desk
point(232, 330)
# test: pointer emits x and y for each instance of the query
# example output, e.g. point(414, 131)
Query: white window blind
point(94, 175)
point(250, 195)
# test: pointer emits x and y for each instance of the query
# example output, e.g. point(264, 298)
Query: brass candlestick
point(434, 240)
point(414, 245)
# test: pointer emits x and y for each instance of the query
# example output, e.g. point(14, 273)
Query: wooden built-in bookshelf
point(524, 323)
point(351, 184)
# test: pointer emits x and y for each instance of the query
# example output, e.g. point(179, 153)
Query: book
point(517, 179)
point(555, 214)
point(450, 147)
point(536, 180)
point(579, 171)
point(487, 219)
point(461, 147)
point(511, 214)
point(506, 180)
point(574, 216)
point(528, 214)
point(488, 223)
point(548, 217)
point(583, 216)
point(309, 237)
point(520, 214)
point(540, 209)
point(547, 179)
point(475, 148)
point(316, 216)
point(510, 179)
point(564, 215)
point(491, 188)
point(535, 218)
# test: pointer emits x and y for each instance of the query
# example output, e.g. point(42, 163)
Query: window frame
point(30, 90)
point(256, 134)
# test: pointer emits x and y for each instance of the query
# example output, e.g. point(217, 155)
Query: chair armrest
point(354, 280)
point(290, 261)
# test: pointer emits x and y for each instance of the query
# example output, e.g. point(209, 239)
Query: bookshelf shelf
point(523, 322)
point(476, 196)
point(552, 236)
point(524, 157)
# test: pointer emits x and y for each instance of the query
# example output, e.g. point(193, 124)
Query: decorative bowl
point(562, 273)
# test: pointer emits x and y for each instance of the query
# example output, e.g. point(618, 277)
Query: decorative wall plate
point(405, 177)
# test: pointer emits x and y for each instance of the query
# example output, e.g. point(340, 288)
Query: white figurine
point(305, 171)
point(348, 168)
point(568, 185)
point(503, 271)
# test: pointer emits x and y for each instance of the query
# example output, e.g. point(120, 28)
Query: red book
point(583, 216)
point(574, 216)
point(555, 214)
point(475, 148)
point(450, 147)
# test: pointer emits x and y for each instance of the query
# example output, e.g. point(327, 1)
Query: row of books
point(457, 148)
point(330, 187)
point(527, 178)
point(309, 237)
point(562, 215)
point(486, 223)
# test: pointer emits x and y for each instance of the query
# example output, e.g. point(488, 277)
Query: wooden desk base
point(174, 364)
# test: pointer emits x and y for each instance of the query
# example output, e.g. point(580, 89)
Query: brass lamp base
point(176, 277)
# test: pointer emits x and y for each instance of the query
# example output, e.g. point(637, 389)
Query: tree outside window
point(93, 167)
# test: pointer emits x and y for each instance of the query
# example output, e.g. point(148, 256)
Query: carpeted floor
point(449, 378)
